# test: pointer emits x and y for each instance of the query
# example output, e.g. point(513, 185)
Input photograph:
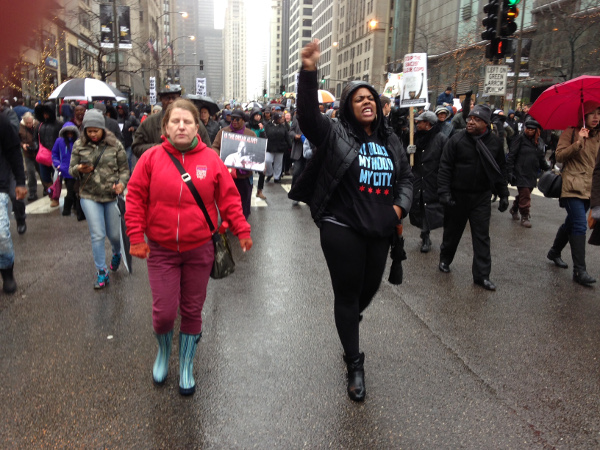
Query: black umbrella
point(204, 102)
point(398, 255)
point(124, 238)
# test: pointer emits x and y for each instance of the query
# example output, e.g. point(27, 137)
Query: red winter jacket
point(160, 205)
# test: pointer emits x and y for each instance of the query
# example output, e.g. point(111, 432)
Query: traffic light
point(282, 89)
point(201, 64)
point(264, 93)
point(510, 12)
point(496, 48)
point(322, 80)
point(491, 21)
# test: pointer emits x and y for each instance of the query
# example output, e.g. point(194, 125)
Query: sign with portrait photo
point(413, 84)
point(243, 152)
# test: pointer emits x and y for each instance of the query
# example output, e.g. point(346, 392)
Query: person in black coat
point(426, 211)
point(471, 169)
point(11, 166)
point(358, 185)
point(278, 142)
point(523, 163)
point(46, 134)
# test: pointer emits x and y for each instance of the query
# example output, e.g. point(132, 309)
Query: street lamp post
point(373, 25)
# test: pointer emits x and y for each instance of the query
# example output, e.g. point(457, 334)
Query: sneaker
point(102, 280)
point(115, 262)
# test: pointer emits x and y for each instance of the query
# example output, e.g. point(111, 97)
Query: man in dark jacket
point(149, 133)
point(211, 126)
point(11, 163)
point(472, 167)
point(445, 98)
point(426, 211)
point(278, 141)
point(129, 123)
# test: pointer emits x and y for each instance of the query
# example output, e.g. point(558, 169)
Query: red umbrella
point(561, 106)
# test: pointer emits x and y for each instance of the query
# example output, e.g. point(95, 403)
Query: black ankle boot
point(580, 274)
point(356, 377)
point(9, 284)
point(560, 241)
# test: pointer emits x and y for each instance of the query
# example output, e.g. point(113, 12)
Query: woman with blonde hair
point(180, 250)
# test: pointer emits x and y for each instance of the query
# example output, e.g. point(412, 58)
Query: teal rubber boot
point(187, 350)
point(161, 365)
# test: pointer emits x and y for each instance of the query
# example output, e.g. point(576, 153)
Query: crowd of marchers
point(355, 162)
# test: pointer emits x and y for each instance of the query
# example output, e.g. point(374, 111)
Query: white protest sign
point(152, 91)
point(201, 86)
point(495, 80)
point(414, 80)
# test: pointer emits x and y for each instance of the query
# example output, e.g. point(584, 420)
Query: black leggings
point(356, 264)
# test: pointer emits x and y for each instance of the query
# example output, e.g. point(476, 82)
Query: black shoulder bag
point(223, 264)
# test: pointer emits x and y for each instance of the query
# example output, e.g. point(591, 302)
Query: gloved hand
point(246, 244)
point(140, 250)
point(503, 204)
point(446, 200)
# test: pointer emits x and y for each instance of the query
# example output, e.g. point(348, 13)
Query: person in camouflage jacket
point(99, 161)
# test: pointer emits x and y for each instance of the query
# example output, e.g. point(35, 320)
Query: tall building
point(300, 32)
point(363, 42)
point(209, 49)
point(183, 48)
point(277, 65)
point(234, 65)
point(324, 28)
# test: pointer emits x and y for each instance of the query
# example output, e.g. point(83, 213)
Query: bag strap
point(187, 179)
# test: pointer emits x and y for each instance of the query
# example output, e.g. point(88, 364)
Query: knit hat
point(428, 116)
point(443, 109)
point(530, 123)
point(483, 112)
point(100, 107)
point(93, 118)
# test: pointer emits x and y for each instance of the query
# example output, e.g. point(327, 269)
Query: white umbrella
point(85, 89)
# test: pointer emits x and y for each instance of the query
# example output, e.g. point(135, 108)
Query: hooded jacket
point(63, 147)
point(47, 132)
point(161, 206)
point(338, 143)
point(112, 166)
point(524, 161)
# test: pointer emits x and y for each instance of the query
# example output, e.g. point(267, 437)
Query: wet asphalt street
point(448, 364)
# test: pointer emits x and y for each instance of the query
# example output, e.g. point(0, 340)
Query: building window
point(74, 57)
point(306, 33)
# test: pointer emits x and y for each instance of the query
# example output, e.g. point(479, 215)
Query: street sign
point(495, 80)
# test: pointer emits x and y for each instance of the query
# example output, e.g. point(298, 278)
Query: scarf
point(490, 166)
point(191, 147)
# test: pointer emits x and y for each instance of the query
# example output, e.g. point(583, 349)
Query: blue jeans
point(7, 252)
point(103, 221)
point(576, 222)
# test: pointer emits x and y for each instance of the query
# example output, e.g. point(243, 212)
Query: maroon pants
point(179, 280)
point(523, 201)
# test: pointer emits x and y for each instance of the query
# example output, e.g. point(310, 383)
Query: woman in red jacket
point(180, 250)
